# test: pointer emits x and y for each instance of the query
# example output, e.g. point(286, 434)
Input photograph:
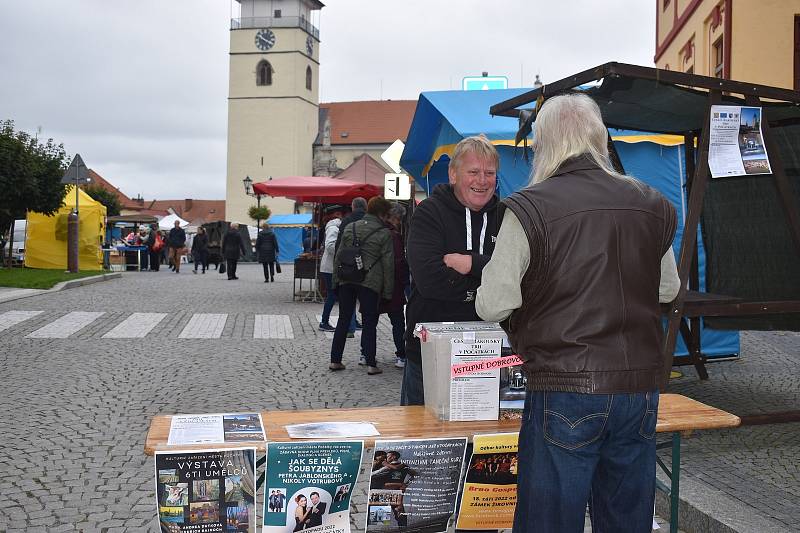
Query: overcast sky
point(139, 87)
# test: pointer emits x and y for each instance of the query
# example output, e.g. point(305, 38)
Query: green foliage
point(35, 278)
point(105, 197)
point(259, 213)
point(30, 174)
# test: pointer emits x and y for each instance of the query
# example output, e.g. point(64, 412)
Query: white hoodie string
point(469, 230)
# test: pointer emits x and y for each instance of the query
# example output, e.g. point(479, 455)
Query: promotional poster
point(308, 485)
point(490, 489)
point(215, 428)
point(414, 484)
point(206, 491)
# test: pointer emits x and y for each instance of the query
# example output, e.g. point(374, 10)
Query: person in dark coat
point(267, 251)
point(394, 307)
point(232, 248)
point(155, 254)
point(177, 242)
point(200, 250)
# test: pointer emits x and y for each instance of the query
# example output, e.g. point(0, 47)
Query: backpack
point(350, 267)
point(158, 244)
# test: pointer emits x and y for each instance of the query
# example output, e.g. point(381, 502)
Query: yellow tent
point(46, 236)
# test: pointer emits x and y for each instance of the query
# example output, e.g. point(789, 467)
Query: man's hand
point(461, 263)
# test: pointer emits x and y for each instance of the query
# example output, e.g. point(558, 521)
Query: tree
point(259, 213)
point(30, 175)
point(105, 197)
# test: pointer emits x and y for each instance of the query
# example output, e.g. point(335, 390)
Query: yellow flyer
point(490, 489)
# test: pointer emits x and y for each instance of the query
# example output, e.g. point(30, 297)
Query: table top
point(675, 413)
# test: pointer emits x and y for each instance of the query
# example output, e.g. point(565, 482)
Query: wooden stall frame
point(685, 311)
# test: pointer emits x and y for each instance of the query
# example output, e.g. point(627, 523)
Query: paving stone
point(76, 410)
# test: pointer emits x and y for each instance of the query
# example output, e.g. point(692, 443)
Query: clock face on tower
point(310, 45)
point(265, 39)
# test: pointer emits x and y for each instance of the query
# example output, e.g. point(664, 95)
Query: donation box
point(469, 371)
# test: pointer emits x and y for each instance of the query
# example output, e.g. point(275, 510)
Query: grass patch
point(35, 278)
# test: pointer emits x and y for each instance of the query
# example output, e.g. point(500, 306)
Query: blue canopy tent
point(443, 118)
point(289, 232)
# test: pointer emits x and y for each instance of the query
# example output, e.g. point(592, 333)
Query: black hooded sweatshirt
point(439, 227)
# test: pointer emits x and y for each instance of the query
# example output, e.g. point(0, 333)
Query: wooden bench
point(677, 415)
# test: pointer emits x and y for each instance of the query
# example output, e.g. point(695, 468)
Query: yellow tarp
point(46, 236)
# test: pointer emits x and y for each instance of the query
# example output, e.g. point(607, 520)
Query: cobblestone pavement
point(82, 377)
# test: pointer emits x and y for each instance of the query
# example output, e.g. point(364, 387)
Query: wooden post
point(689, 242)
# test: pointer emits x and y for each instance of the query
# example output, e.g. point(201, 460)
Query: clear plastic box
point(436, 342)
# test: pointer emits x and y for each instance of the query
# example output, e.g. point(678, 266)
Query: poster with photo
point(736, 142)
point(414, 484)
point(308, 485)
point(206, 491)
point(489, 496)
point(215, 428)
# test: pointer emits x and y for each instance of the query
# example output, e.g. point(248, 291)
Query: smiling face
point(473, 180)
point(314, 499)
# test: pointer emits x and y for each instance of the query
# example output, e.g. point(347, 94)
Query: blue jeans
point(368, 300)
point(330, 299)
point(398, 320)
point(576, 449)
point(412, 391)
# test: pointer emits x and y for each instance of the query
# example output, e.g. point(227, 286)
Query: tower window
point(277, 13)
point(264, 73)
point(308, 78)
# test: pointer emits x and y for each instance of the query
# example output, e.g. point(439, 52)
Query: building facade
point(273, 98)
point(743, 40)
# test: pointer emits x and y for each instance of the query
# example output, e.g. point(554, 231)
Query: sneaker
point(372, 370)
point(336, 366)
point(400, 363)
point(362, 361)
point(350, 335)
point(194, 271)
point(324, 326)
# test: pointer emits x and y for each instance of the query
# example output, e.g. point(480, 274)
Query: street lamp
point(248, 190)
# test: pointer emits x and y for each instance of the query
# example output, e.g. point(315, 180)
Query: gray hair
point(569, 125)
point(359, 203)
point(398, 211)
point(234, 225)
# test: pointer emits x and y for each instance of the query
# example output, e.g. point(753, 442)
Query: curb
point(705, 509)
point(64, 285)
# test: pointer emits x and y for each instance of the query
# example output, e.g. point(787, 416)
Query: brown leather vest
point(590, 320)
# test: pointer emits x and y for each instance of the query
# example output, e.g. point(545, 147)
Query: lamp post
point(248, 190)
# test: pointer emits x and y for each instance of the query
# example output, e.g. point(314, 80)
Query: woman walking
point(200, 250)
point(267, 251)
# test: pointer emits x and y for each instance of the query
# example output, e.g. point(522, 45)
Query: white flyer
point(331, 430)
point(736, 143)
point(215, 428)
point(475, 396)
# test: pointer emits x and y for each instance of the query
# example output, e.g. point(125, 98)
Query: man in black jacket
point(177, 240)
point(450, 240)
point(232, 246)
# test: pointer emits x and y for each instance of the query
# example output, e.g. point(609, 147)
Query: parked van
point(18, 253)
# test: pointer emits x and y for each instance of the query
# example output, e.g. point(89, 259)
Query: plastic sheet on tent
point(289, 232)
point(46, 239)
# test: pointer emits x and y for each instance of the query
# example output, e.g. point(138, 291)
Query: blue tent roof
point(303, 219)
point(443, 118)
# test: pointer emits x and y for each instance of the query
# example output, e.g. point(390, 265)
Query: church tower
point(273, 99)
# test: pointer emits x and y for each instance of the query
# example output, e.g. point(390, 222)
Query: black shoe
point(273, 280)
point(235, 277)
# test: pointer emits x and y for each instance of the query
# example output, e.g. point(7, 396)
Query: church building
point(276, 126)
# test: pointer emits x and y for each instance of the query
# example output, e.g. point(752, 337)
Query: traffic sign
point(484, 83)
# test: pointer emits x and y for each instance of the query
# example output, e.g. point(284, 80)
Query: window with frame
point(308, 78)
point(277, 13)
point(718, 53)
point(264, 73)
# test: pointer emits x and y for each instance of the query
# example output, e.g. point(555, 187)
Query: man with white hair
point(583, 257)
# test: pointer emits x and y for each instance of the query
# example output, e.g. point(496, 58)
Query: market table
point(677, 415)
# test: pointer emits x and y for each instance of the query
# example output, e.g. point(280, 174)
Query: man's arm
point(426, 251)
point(670, 282)
point(500, 292)
point(387, 263)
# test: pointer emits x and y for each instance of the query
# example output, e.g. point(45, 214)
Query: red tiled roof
point(125, 201)
point(195, 212)
point(370, 122)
